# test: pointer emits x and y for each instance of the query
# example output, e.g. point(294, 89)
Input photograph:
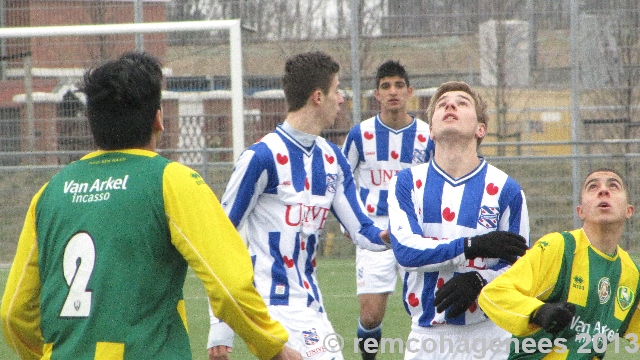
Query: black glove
point(496, 244)
point(459, 293)
point(553, 317)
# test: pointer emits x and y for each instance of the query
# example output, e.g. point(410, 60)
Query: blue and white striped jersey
point(431, 214)
point(377, 152)
point(283, 192)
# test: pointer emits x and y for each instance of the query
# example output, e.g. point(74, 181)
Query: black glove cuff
point(483, 282)
point(467, 249)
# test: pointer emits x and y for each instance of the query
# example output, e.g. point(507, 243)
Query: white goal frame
point(235, 50)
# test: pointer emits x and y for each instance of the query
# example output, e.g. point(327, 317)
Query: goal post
point(235, 50)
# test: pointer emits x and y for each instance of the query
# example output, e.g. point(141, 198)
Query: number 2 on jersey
point(79, 259)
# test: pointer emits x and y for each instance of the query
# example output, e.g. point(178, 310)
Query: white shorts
point(376, 272)
point(310, 332)
point(458, 342)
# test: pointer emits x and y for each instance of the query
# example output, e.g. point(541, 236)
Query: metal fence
point(547, 182)
point(562, 80)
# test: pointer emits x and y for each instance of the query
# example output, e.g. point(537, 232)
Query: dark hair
point(123, 97)
point(480, 105)
point(391, 68)
point(305, 73)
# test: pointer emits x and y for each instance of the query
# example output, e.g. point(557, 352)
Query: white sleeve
point(219, 332)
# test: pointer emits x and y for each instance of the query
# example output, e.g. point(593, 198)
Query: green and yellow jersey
point(102, 259)
point(565, 267)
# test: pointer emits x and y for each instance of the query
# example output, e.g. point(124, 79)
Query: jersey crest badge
point(332, 182)
point(489, 217)
point(310, 336)
point(604, 289)
point(625, 297)
point(419, 156)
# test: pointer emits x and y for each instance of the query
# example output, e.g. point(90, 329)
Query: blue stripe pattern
point(472, 200)
point(261, 160)
point(408, 138)
point(382, 142)
point(310, 246)
point(319, 181)
point(511, 194)
point(278, 272)
point(297, 162)
point(433, 194)
point(382, 208)
point(426, 298)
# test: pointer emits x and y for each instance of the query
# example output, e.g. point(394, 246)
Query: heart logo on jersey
point(306, 284)
point(306, 184)
point(413, 300)
point(440, 283)
point(303, 245)
point(330, 159)
point(394, 155)
point(422, 138)
point(473, 307)
point(288, 262)
point(368, 135)
point(370, 208)
point(492, 189)
point(448, 215)
point(419, 183)
point(282, 159)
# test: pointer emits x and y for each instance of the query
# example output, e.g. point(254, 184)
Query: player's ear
point(481, 130)
point(158, 123)
point(316, 96)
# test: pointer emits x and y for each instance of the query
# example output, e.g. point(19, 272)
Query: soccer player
point(455, 224)
point(574, 291)
point(283, 188)
point(103, 254)
point(377, 149)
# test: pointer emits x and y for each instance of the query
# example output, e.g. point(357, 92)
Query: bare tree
point(610, 96)
point(98, 14)
point(504, 63)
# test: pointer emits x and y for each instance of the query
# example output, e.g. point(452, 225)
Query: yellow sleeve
point(511, 298)
point(634, 324)
point(20, 311)
point(204, 235)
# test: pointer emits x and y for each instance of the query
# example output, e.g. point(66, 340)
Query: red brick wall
point(81, 51)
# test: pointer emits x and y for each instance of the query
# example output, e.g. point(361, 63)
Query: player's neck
point(455, 162)
point(604, 237)
point(396, 119)
point(153, 142)
point(306, 121)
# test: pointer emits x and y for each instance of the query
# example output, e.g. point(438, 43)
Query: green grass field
point(337, 281)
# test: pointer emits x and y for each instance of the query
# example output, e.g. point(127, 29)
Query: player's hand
point(384, 236)
point(219, 352)
point(496, 244)
point(288, 353)
point(459, 293)
point(553, 317)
